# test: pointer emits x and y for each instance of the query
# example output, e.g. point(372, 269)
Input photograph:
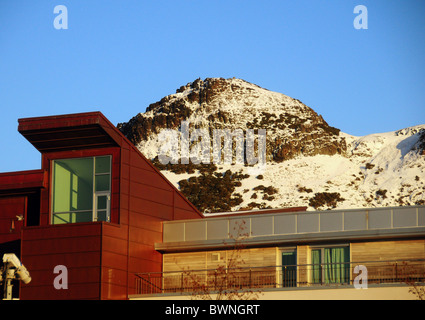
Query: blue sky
point(117, 57)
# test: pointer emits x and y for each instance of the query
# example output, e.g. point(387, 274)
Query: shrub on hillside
point(213, 192)
point(329, 199)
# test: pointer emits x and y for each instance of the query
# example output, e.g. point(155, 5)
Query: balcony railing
point(258, 278)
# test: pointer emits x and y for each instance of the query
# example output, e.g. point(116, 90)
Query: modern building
point(374, 253)
point(99, 221)
point(95, 207)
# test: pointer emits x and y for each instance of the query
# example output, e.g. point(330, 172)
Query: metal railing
point(258, 278)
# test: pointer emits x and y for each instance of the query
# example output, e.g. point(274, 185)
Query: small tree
point(226, 282)
point(413, 275)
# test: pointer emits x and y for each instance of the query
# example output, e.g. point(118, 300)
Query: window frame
point(322, 278)
point(293, 271)
point(95, 194)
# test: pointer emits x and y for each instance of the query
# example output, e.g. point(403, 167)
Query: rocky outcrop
point(215, 103)
point(309, 162)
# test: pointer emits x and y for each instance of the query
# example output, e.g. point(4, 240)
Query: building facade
point(295, 254)
point(95, 207)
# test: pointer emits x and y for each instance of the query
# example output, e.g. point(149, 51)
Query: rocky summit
point(308, 162)
point(215, 103)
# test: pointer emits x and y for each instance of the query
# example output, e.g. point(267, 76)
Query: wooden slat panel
point(388, 250)
point(182, 261)
point(303, 258)
point(255, 257)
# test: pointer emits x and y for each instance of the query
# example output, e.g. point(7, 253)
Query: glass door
point(102, 210)
point(289, 269)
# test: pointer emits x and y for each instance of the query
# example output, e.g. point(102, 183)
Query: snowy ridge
point(379, 162)
point(306, 158)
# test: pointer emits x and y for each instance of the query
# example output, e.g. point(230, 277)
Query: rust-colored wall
point(10, 227)
point(114, 275)
point(19, 205)
point(76, 246)
point(146, 199)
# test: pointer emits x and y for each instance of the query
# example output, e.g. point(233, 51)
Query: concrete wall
point(345, 293)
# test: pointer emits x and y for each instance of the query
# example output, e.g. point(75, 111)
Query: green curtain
point(336, 265)
point(316, 268)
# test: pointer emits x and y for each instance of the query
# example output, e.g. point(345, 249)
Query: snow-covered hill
point(308, 163)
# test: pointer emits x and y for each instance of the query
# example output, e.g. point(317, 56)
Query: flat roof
point(22, 181)
point(70, 131)
point(292, 227)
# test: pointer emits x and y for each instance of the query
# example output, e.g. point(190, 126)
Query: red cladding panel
point(75, 246)
point(102, 258)
point(10, 224)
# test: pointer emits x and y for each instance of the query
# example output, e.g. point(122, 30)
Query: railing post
point(396, 272)
point(250, 277)
point(150, 282)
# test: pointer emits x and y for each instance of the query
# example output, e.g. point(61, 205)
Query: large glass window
point(330, 265)
point(81, 190)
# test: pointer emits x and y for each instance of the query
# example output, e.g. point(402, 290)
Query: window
point(289, 268)
point(330, 265)
point(81, 190)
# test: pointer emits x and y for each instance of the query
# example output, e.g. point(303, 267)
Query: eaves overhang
point(69, 132)
point(292, 239)
point(23, 182)
point(279, 229)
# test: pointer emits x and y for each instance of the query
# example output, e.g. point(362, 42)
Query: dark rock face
point(420, 145)
point(292, 128)
point(139, 128)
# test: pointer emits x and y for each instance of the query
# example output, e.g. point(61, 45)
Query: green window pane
point(103, 164)
point(62, 191)
point(102, 202)
point(103, 182)
point(60, 218)
point(72, 217)
point(86, 216)
point(74, 181)
point(73, 185)
point(102, 215)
